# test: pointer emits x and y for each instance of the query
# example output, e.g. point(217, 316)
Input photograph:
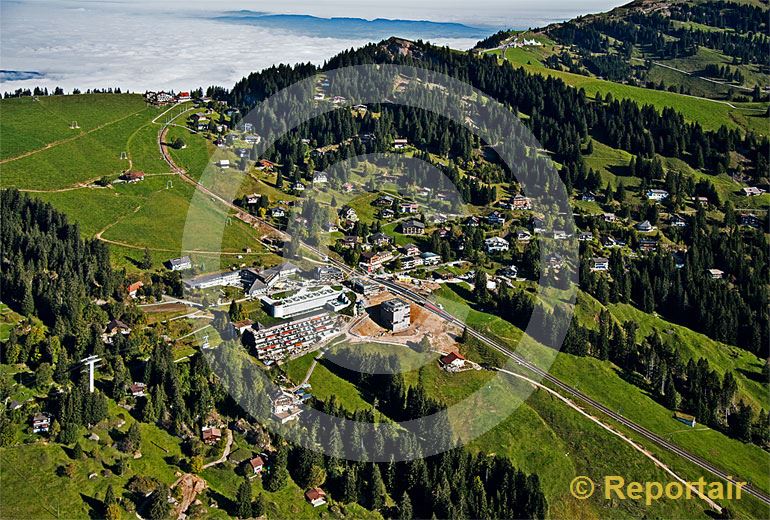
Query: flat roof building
point(305, 300)
point(396, 314)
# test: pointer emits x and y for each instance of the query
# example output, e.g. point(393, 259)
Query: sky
point(142, 45)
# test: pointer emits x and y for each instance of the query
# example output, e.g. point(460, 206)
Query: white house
point(496, 245)
point(600, 264)
point(657, 195)
point(752, 191)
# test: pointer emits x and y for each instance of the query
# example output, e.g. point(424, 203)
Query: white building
point(496, 245)
point(657, 195)
point(396, 314)
point(306, 300)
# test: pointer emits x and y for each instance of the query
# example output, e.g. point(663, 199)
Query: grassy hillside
point(604, 382)
point(711, 114)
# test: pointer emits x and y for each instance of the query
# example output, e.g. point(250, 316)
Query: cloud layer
point(140, 45)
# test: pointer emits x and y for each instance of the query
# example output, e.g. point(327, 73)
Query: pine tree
point(243, 500)
point(405, 508)
point(375, 489)
point(146, 261)
point(278, 475)
point(109, 496)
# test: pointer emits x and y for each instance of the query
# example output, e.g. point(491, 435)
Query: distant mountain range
point(379, 28)
point(16, 75)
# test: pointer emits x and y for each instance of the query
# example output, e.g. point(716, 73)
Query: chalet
point(644, 227)
point(380, 239)
point(315, 496)
point(472, 221)
point(752, 191)
point(339, 100)
point(285, 406)
point(200, 122)
point(555, 261)
point(496, 219)
point(609, 241)
point(496, 245)
point(180, 264)
point(560, 234)
point(750, 220)
point(387, 214)
point(509, 271)
point(410, 249)
point(523, 235)
point(398, 144)
point(385, 201)
point(330, 227)
point(408, 207)
point(347, 187)
point(134, 287)
point(223, 163)
point(242, 153)
point(600, 264)
point(183, 96)
point(116, 327)
point(588, 196)
point(609, 217)
point(647, 245)
point(252, 138)
point(298, 186)
point(412, 227)
point(41, 422)
point(211, 435)
point(277, 212)
point(715, 274)
point(137, 389)
point(656, 195)
point(430, 258)
point(349, 242)
point(701, 201)
point(452, 362)
point(256, 464)
point(586, 236)
point(320, 178)
point(253, 198)
point(319, 96)
point(521, 202)
point(132, 176)
point(264, 164)
point(675, 220)
point(159, 98)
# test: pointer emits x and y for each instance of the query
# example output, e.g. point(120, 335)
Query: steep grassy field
point(31, 123)
point(602, 381)
point(711, 114)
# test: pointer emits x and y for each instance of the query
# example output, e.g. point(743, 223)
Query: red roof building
point(316, 496)
point(134, 287)
point(453, 360)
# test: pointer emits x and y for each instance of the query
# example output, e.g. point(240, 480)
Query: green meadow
point(711, 114)
point(603, 381)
